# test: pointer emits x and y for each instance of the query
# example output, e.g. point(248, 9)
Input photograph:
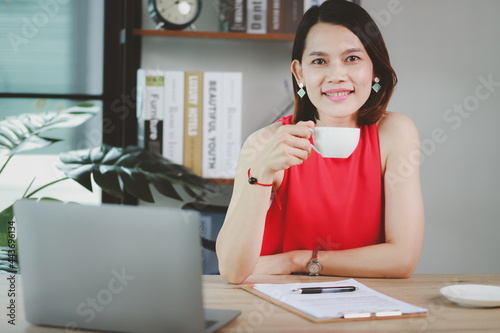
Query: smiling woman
point(361, 37)
point(340, 216)
point(335, 69)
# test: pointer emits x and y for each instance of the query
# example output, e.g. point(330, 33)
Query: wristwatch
point(314, 266)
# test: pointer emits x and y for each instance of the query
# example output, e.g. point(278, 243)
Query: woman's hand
point(283, 263)
point(274, 264)
point(287, 147)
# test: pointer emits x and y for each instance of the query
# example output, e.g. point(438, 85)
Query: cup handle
point(313, 146)
point(316, 149)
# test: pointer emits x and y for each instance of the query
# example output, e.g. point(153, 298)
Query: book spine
point(294, 9)
point(275, 16)
point(257, 16)
point(193, 104)
point(140, 105)
point(150, 102)
point(173, 121)
point(232, 91)
point(224, 15)
point(235, 13)
point(212, 129)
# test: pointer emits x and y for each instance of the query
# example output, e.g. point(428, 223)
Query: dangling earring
point(301, 91)
point(376, 87)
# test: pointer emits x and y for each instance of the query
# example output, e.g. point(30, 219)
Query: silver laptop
point(113, 268)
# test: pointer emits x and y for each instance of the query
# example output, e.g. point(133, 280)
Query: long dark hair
point(356, 19)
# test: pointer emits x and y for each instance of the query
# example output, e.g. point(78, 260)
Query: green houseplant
point(115, 170)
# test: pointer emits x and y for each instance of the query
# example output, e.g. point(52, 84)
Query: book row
point(192, 118)
point(263, 16)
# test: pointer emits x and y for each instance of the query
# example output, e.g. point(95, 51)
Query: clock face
point(178, 12)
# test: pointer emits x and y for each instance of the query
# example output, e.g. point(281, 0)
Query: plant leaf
point(6, 216)
point(33, 142)
point(165, 187)
point(107, 178)
point(81, 174)
point(136, 184)
point(132, 170)
point(52, 199)
point(22, 132)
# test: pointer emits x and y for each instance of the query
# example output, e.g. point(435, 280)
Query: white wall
point(442, 51)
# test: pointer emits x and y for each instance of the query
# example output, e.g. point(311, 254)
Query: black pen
point(319, 290)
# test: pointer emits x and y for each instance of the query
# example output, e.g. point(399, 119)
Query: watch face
point(178, 12)
point(314, 268)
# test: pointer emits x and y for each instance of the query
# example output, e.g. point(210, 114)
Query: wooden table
point(259, 315)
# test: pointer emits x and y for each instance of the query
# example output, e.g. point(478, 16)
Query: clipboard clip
point(368, 314)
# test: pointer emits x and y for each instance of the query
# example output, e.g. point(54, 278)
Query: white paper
point(335, 305)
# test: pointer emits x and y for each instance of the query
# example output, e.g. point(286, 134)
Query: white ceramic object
point(335, 142)
point(473, 295)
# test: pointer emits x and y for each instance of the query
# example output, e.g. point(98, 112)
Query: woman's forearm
point(264, 156)
point(240, 240)
point(385, 260)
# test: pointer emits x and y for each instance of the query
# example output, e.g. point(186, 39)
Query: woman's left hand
point(282, 263)
point(273, 264)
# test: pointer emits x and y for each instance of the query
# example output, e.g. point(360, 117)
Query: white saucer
point(473, 295)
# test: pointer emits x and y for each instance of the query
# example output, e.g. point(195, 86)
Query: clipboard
point(347, 316)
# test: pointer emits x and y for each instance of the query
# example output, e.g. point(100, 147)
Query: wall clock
point(174, 14)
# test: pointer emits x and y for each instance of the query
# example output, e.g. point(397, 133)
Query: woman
point(362, 216)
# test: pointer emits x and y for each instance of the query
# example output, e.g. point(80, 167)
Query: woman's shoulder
point(398, 136)
point(396, 125)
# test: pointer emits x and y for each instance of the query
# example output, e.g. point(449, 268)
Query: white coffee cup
point(336, 142)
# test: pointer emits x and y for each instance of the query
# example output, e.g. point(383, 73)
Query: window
point(51, 58)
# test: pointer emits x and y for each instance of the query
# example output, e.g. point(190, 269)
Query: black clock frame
point(156, 16)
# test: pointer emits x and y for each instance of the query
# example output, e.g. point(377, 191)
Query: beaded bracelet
point(254, 181)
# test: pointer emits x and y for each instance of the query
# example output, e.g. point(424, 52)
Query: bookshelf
point(213, 35)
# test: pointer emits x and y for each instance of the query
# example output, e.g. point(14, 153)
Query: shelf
point(213, 34)
point(222, 181)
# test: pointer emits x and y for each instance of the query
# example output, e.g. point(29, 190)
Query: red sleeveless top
point(329, 203)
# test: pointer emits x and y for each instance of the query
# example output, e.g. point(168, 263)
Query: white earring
point(301, 92)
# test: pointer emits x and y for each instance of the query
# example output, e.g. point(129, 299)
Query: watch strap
point(315, 254)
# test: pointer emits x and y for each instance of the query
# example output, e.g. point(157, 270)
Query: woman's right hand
point(288, 146)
